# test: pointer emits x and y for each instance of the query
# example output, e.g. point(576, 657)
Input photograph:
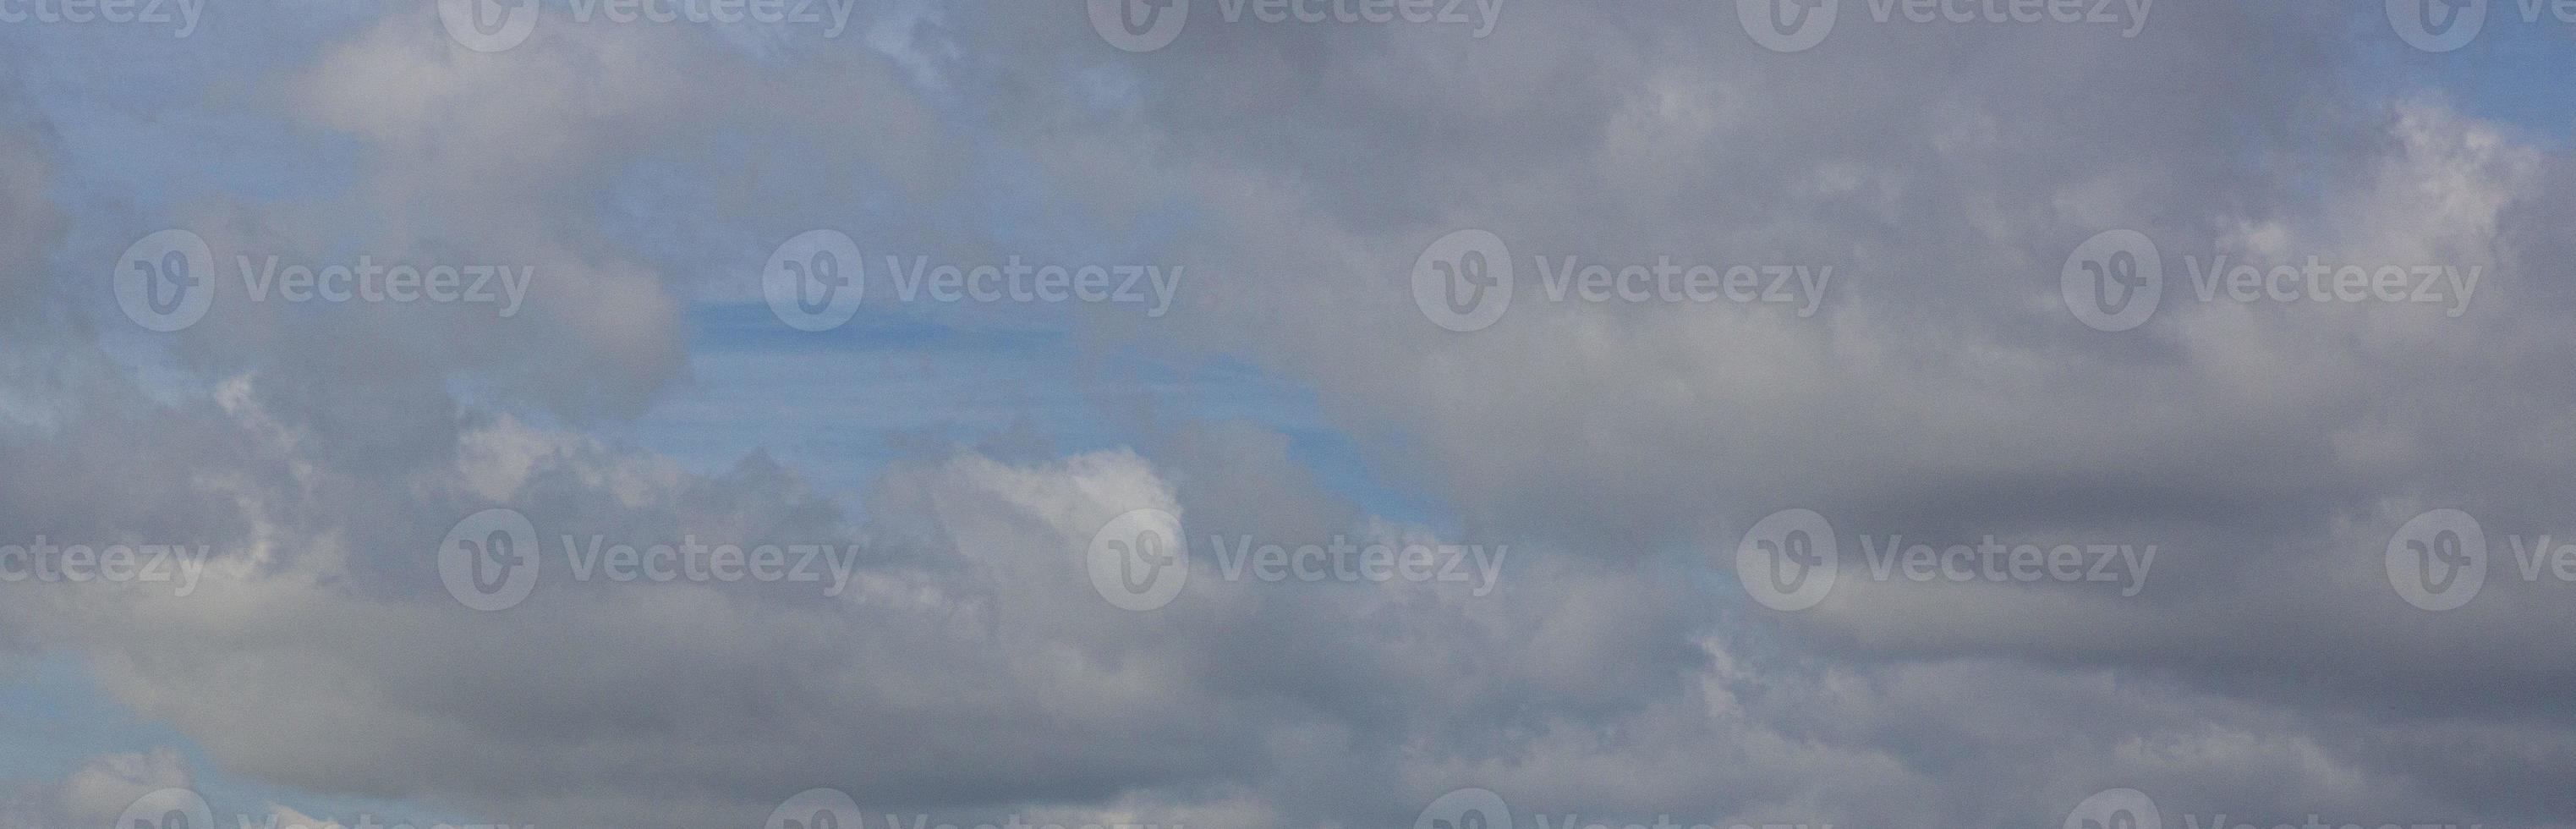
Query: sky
point(1327, 413)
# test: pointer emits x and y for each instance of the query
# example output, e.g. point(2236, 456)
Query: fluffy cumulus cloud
point(1909, 192)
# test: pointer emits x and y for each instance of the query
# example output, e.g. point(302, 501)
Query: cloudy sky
point(1451, 414)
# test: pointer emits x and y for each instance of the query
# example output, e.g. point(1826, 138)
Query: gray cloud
point(1941, 392)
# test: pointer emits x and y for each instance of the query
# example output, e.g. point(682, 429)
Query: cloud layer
point(963, 665)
